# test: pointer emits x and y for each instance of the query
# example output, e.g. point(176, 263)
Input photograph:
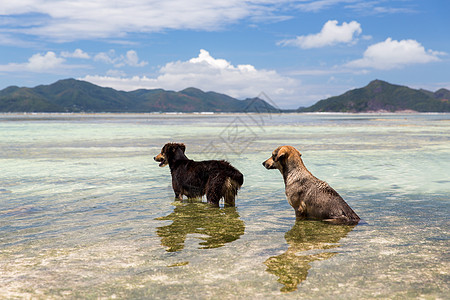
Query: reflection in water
point(216, 226)
point(308, 241)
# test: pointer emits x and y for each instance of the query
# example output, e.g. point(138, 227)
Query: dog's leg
point(229, 200)
point(178, 193)
point(300, 211)
point(214, 189)
point(178, 196)
point(299, 214)
point(177, 190)
point(213, 198)
point(214, 192)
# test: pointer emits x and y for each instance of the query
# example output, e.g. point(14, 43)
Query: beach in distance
point(85, 211)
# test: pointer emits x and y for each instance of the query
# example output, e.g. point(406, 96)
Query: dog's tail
point(230, 189)
point(232, 184)
point(235, 175)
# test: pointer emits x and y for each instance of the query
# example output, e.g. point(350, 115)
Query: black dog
point(215, 178)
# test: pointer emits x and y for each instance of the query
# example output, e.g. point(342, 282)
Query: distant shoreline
point(91, 114)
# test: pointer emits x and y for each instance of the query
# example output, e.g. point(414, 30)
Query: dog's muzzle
point(268, 165)
point(161, 159)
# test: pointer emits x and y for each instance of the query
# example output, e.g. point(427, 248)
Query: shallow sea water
point(85, 212)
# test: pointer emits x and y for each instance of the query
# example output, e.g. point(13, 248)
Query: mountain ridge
point(71, 95)
point(382, 96)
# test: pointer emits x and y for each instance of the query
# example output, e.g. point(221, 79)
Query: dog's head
point(280, 156)
point(168, 153)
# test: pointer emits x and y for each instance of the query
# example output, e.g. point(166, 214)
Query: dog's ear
point(169, 148)
point(183, 147)
point(280, 154)
point(165, 148)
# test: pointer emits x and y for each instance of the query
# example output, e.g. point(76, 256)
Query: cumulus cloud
point(130, 58)
point(78, 53)
point(209, 74)
point(392, 54)
point(106, 57)
point(331, 34)
point(48, 62)
point(51, 62)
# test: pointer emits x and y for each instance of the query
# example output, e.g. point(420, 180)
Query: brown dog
point(310, 197)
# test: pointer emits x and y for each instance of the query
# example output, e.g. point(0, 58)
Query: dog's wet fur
point(310, 197)
point(214, 178)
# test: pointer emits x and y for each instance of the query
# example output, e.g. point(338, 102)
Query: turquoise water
point(85, 212)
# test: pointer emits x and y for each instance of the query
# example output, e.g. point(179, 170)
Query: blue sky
point(296, 52)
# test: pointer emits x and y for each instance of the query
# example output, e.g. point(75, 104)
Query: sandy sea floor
point(85, 212)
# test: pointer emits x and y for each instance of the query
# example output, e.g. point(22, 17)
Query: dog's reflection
point(214, 226)
point(308, 241)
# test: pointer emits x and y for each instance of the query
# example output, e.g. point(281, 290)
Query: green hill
point(382, 96)
point(72, 95)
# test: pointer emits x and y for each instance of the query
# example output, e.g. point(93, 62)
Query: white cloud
point(39, 62)
point(205, 58)
point(116, 73)
point(361, 6)
point(130, 58)
point(331, 34)
point(209, 74)
point(106, 57)
point(78, 53)
point(68, 20)
point(318, 5)
point(392, 54)
point(11, 40)
point(48, 62)
point(381, 7)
